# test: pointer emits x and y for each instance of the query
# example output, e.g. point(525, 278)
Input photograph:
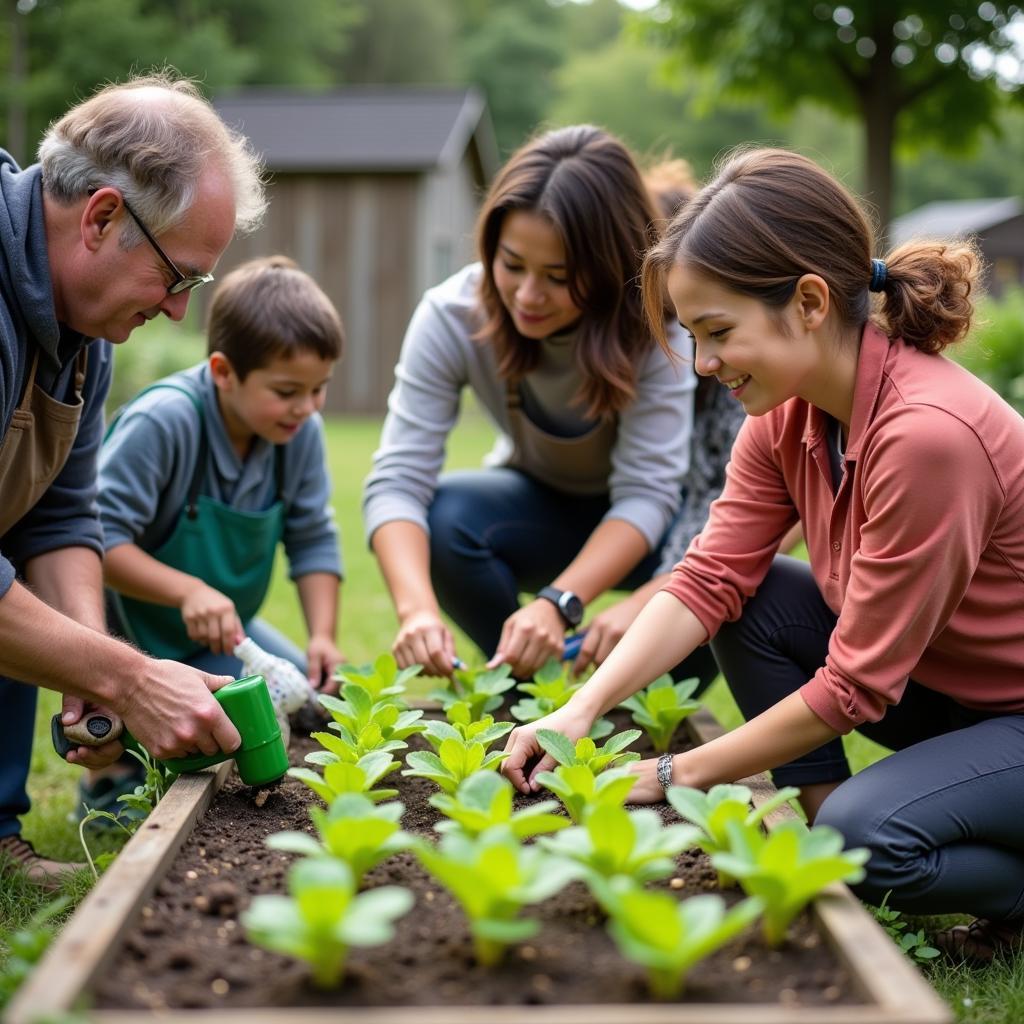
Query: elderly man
point(137, 193)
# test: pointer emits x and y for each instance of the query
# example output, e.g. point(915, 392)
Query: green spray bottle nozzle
point(261, 759)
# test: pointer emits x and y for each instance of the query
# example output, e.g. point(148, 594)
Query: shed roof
point(949, 218)
point(374, 128)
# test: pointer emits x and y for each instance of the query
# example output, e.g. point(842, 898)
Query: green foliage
point(787, 868)
point(381, 679)
point(324, 916)
point(613, 841)
point(485, 801)
point(493, 877)
point(363, 726)
point(581, 790)
point(156, 350)
point(586, 752)
point(669, 937)
point(660, 708)
point(914, 944)
point(135, 807)
point(480, 689)
point(461, 726)
point(26, 947)
point(454, 761)
point(354, 830)
point(995, 351)
point(551, 689)
point(712, 811)
point(342, 777)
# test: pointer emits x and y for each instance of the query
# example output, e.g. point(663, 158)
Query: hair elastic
point(879, 272)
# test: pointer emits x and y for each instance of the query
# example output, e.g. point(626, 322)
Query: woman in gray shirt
point(594, 421)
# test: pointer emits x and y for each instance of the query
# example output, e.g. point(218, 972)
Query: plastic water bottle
point(289, 688)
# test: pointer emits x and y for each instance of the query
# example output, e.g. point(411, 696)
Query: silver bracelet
point(665, 771)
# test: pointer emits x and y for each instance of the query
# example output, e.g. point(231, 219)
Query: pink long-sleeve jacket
point(920, 552)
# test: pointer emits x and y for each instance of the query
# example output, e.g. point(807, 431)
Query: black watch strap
point(569, 606)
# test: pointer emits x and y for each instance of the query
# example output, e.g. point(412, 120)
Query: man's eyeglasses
point(182, 282)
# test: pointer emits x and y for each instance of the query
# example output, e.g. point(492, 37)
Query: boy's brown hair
point(269, 309)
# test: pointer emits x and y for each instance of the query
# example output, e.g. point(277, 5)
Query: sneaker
point(19, 854)
point(981, 941)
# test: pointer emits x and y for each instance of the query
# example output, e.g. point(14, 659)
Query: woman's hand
point(605, 630)
point(210, 618)
point(423, 639)
point(525, 762)
point(647, 789)
point(530, 636)
point(322, 661)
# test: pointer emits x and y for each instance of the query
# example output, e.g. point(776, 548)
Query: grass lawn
point(367, 628)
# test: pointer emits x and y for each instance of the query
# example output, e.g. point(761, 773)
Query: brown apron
point(575, 465)
point(37, 444)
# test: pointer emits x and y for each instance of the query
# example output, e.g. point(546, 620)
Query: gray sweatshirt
point(439, 358)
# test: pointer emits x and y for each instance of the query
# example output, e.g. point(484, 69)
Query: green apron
point(228, 549)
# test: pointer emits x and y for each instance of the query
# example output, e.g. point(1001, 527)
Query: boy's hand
point(211, 619)
point(322, 661)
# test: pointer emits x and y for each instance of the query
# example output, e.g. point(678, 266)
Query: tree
point(933, 71)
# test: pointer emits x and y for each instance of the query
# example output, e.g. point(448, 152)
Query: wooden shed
point(374, 192)
point(996, 224)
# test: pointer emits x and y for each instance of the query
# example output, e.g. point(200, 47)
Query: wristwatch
point(567, 603)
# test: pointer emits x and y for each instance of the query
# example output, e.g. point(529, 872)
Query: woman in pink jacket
point(908, 475)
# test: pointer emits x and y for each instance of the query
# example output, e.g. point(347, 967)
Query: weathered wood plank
point(92, 937)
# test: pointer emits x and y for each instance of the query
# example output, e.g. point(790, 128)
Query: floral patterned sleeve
point(717, 420)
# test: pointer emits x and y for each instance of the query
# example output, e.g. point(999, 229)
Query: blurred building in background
point(374, 191)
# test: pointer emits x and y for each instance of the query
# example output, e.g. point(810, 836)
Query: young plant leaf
point(660, 708)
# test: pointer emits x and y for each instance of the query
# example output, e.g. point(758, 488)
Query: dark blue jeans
point(496, 532)
point(943, 816)
point(17, 723)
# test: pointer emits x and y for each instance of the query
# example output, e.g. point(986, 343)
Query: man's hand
point(74, 709)
point(211, 619)
point(529, 637)
point(322, 661)
point(171, 711)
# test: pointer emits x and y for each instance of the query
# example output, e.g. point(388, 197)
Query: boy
point(202, 473)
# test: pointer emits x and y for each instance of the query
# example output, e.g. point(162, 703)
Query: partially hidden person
point(594, 420)
point(204, 473)
point(907, 475)
point(137, 192)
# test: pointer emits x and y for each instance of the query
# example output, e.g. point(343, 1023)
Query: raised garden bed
point(160, 935)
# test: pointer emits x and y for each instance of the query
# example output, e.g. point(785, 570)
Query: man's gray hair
point(151, 138)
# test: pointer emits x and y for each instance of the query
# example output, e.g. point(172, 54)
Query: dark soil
point(189, 951)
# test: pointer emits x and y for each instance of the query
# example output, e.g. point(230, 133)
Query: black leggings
point(944, 815)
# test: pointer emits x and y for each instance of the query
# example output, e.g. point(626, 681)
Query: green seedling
point(914, 944)
point(454, 761)
point(480, 689)
point(364, 725)
point(669, 937)
point(485, 801)
point(712, 811)
point(660, 708)
point(493, 877)
point(787, 868)
point(383, 679)
point(26, 946)
point(341, 777)
point(354, 830)
point(324, 916)
point(586, 752)
point(581, 790)
point(550, 690)
point(614, 841)
point(461, 726)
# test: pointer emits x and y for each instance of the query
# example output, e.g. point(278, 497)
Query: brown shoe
point(981, 941)
point(18, 853)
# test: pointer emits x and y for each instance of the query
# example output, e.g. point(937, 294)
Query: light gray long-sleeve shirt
point(146, 467)
point(439, 358)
